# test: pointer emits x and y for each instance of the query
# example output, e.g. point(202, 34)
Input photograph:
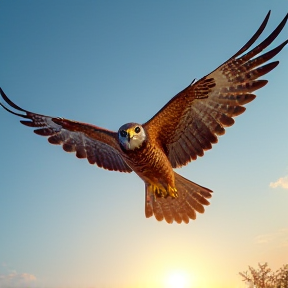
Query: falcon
point(181, 131)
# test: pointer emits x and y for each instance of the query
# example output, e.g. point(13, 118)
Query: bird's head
point(131, 136)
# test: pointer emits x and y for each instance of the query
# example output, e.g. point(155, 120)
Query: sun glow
point(178, 279)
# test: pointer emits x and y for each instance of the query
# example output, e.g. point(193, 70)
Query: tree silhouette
point(264, 277)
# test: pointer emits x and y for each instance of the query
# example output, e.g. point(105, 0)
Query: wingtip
point(2, 93)
point(267, 16)
point(12, 104)
point(12, 112)
point(283, 22)
point(256, 35)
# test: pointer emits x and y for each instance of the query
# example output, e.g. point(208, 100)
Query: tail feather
point(191, 198)
point(190, 212)
point(194, 203)
point(157, 210)
point(177, 215)
point(201, 199)
point(166, 211)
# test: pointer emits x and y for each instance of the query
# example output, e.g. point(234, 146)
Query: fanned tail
point(191, 199)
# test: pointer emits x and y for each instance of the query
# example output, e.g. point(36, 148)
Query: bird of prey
point(183, 129)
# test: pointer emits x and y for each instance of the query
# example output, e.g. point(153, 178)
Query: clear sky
point(67, 224)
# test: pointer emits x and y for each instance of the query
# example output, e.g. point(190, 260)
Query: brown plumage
point(183, 129)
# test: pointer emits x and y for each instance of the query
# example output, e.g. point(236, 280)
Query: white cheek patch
point(137, 140)
point(135, 143)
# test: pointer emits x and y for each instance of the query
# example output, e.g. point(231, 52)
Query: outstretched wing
point(191, 121)
point(98, 145)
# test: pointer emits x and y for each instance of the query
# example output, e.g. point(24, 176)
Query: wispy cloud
point(278, 238)
point(17, 280)
point(281, 182)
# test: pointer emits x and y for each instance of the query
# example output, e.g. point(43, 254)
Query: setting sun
point(178, 279)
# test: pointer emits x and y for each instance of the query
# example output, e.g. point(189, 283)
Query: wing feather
point(98, 145)
point(191, 121)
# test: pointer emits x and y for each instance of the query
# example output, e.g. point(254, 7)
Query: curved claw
point(172, 191)
point(160, 193)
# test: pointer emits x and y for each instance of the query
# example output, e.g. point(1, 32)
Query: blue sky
point(65, 223)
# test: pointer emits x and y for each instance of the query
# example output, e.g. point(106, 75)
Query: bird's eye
point(123, 133)
point(137, 129)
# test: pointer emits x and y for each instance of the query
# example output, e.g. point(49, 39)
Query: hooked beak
point(130, 134)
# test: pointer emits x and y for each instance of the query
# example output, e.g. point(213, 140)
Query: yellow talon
point(172, 192)
point(158, 192)
point(161, 193)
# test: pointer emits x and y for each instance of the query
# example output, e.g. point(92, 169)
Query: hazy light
point(178, 279)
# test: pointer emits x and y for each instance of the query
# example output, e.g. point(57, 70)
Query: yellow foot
point(172, 192)
point(159, 193)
